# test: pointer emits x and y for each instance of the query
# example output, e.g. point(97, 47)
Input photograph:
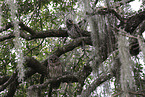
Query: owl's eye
point(51, 59)
point(69, 21)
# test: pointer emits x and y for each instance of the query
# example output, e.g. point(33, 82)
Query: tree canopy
point(107, 59)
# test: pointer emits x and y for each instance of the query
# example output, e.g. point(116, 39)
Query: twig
point(116, 94)
point(78, 61)
point(137, 93)
point(104, 11)
point(34, 47)
point(124, 33)
point(7, 26)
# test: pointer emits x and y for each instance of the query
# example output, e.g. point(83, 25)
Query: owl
point(54, 66)
point(73, 30)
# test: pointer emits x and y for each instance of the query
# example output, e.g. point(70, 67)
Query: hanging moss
point(17, 40)
point(142, 46)
point(126, 78)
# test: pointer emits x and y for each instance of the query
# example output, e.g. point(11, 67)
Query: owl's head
point(69, 22)
point(53, 59)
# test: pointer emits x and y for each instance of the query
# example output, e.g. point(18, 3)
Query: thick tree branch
point(31, 62)
point(11, 35)
point(55, 33)
point(96, 83)
point(24, 27)
point(29, 73)
point(42, 34)
point(105, 48)
point(8, 36)
point(102, 78)
point(35, 34)
point(134, 21)
point(36, 65)
point(2, 87)
point(3, 79)
point(73, 44)
point(28, 29)
point(15, 83)
point(12, 89)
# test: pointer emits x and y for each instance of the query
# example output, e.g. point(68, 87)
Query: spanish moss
point(126, 78)
point(93, 22)
point(17, 40)
point(142, 46)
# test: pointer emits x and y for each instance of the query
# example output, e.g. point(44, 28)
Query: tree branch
point(137, 93)
point(36, 65)
point(15, 83)
point(12, 89)
point(8, 36)
point(34, 48)
point(104, 11)
point(81, 75)
point(102, 78)
point(96, 83)
point(8, 82)
point(42, 34)
point(3, 79)
point(73, 44)
point(134, 21)
point(6, 27)
point(26, 28)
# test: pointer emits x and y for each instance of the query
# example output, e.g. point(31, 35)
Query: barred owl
point(73, 30)
point(54, 66)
